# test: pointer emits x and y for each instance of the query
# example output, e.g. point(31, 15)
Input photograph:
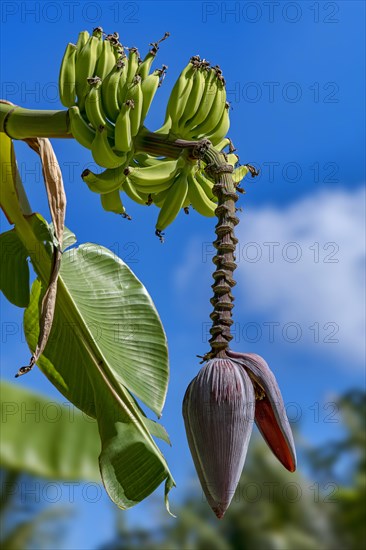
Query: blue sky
point(295, 78)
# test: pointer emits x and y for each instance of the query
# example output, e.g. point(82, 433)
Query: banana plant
point(189, 162)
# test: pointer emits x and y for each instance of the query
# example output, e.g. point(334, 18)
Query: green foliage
point(14, 274)
point(46, 438)
point(107, 340)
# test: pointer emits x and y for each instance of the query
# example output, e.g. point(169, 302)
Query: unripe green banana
point(112, 202)
point(184, 96)
point(145, 65)
point(82, 40)
point(98, 33)
point(223, 143)
point(135, 95)
point(66, 81)
point(215, 115)
point(153, 179)
point(149, 87)
point(174, 108)
point(85, 64)
point(106, 60)
point(186, 204)
point(122, 134)
point(194, 100)
point(133, 194)
point(80, 129)
point(205, 184)
point(159, 198)
point(94, 107)
point(165, 128)
point(232, 159)
point(102, 151)
point(173, 202)
point(110, 90)
point(107, 181)
point(207, 99)
point(145, 159)
point(122, 83)
point(221, 128)
point(133, 64)
point(240, 173)
point(199, 199)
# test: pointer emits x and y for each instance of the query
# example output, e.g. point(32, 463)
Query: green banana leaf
point(107, 341)
point(46, 438)
point(14, 273)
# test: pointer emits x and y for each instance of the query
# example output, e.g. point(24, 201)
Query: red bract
point(270, 413)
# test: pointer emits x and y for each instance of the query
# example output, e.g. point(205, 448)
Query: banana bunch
point(197, 106)
point(108, 94)
point(171, 184)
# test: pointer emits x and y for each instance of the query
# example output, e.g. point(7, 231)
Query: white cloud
point(304, 264)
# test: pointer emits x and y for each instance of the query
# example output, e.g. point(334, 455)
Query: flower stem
point(19, 123)
point(225, 244)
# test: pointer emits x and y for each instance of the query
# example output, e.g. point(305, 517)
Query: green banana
point(222, 127)
point(84, 68)
point(107, 181)
point(205, 184)
point(199, 199)
point(102, 151)
point(106, 60)
point(94, 108)
point(145, 65)
point(159, 198)
point(223, 143)
point(110, 90)
point(133, 64)
point(82, 40)
point(112, 202)
point(122, 83)
point(240, 173)
point(174, 110)
point(80, 129)
point(149, 87)
point(133, 194)
point(66, 81)
point(152, 179)
point(122, 134)
point(135, 95)
point(215, 114)
point(173, 202)
point(98, 33)
point(194, 99)
point(145, 159)
point(207, 99)
point(165, 128)
point(182, 103)
point(232, 159)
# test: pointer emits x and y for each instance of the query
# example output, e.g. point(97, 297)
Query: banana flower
point(219, 407)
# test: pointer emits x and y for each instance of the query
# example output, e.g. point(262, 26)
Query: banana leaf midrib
point(93, 351)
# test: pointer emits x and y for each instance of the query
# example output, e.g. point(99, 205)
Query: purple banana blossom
point(219, 407)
